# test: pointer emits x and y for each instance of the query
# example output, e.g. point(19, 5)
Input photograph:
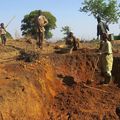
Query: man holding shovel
point(72, 42)
point(3, 31)
point(106, 59)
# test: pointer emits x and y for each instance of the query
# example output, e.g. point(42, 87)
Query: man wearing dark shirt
point(102, 28)
point(72, 41)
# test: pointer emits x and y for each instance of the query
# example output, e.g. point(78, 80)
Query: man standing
point(3, 33)
point(106, 59)
point(42, 22)
point(101, 29)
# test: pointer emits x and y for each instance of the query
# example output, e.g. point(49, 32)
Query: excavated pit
point(79, 65)
point(55, 88)
point(81, 100)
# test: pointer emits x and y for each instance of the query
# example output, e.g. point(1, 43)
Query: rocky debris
point(29, 56)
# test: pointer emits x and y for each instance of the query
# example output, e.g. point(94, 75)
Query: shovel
point(92, 75)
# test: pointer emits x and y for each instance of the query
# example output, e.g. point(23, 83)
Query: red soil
point(55, 87)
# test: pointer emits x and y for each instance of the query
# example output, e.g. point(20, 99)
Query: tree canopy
point(108, 10)
point(29, 23)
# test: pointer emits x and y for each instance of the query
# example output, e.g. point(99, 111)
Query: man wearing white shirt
point(3, 33)
point(42, 22)
point(106, 59)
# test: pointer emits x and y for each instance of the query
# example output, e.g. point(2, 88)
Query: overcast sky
point(65, 11)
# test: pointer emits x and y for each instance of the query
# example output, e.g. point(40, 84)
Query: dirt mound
point(26, 90)
point(81, 102)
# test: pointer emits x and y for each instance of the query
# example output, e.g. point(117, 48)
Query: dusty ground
point(55, 86)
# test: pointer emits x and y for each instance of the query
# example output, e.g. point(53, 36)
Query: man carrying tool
point(41, 22)
point(3, 34)
point(3, 31)
point(101, 29)
point(106, 59)
point(72, 42)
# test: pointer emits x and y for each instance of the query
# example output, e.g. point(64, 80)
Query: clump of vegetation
point(29, 56)
point(108, 10)
point(117, 37)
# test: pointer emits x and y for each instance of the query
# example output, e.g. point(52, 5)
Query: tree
point(29, 23)
point(66, 30)
point(108, 10)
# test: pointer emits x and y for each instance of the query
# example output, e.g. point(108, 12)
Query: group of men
point(105, 49)
point(71, 40)
point(42, 21)
point(73, 43)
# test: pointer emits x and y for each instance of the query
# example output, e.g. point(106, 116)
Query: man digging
point(72, 42)
point(106, 59)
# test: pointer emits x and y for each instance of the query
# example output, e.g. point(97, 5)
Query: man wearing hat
point(106, 59)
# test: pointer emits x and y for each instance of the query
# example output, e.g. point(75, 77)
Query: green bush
point(28, 56)
point(117, 37)
point(29, 23)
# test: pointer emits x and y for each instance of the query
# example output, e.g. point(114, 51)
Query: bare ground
point(56, 85)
